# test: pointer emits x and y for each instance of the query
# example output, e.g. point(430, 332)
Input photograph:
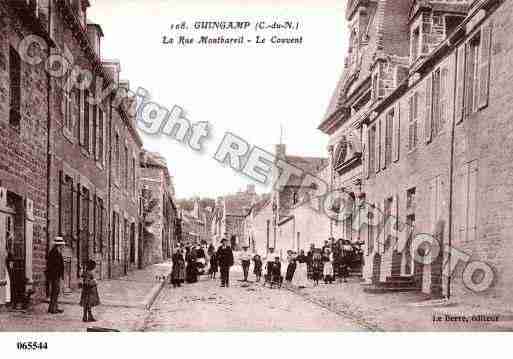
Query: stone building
point(435, 138)
point(71, 152)
point(273, 219)
point(194, 225)
point(160, 238)
point(24, 123)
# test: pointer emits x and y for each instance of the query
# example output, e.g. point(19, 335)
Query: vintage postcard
point(255, 166)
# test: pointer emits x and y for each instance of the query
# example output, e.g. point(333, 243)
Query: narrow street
point(205, 306)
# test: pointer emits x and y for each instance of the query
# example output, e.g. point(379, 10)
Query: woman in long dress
point(178, 269)
point(291, 267)
point(300, 275)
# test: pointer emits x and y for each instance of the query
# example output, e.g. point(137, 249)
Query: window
point(473, 73)
point(15, 88)
point(388, 137)
point(410, 198)
point(114, 239)
point(134, 192)
point(99, 211)
point(95, 134)
point(415, 44)
point(117, 157)
point(125, 170)
point(440, 95)
point(387, 209)
point(413, 113)
point(372, 148)
point(471, 89)
point(466, 202)
point(370, 230)
point(85, 135)
point(66, 208)
point(101, 132)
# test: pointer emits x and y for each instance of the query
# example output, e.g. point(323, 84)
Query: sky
point(251, 91)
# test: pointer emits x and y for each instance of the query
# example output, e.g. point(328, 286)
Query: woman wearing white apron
point(300, 279)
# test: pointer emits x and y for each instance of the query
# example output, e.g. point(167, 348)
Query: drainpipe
point(109, 169)
point(48, 146)
point(451, 183)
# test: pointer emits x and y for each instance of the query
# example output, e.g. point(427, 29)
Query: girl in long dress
point(328, 268)
point(300, 275)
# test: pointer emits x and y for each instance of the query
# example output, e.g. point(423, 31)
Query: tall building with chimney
point(428, 83)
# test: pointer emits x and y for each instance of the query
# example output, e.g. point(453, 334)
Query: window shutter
point(428, 132)
point(484, 65)
point(460, 84)
point(366, 168)
point(472, 201)
point(396, 143)
point(383, 122)
point(377, 147)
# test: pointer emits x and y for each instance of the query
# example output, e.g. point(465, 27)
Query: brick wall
point(23, 162)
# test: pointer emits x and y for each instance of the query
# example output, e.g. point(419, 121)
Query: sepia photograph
point(255, 166)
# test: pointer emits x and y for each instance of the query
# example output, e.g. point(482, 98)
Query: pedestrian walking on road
point(291, 267)
point(89, 297)
point(257, 267)
point(300, 278)
point(225, 260)
point(309, 261)
point(328, 267)
point(245, 259)
point(214, 267)
point(55, 273)
point(317, 267)
point(191, 268)
point(178, 270)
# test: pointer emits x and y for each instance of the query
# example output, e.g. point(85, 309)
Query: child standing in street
point(317, 268)
point(89, 297)
point(257, 267)
point(214, 267)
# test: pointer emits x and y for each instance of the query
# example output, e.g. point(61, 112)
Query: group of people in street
point(192, 261)
point(329, 263)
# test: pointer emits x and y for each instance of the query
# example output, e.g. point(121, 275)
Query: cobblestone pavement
point(204, 306)
point(404, 311)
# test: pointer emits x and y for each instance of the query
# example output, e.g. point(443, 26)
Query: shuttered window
point(413, 121)
point(465, 216)
point(389, 128)
point(428, 121)
point(473, 73)
point(372, 149)
point(15, 88)
point(397, 133)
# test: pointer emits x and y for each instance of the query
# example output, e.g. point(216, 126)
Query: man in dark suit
point(55, 273)
point(225, 260)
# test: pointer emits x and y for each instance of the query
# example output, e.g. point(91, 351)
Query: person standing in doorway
point(245, 260)
point(55, 273)
point(225, 260)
